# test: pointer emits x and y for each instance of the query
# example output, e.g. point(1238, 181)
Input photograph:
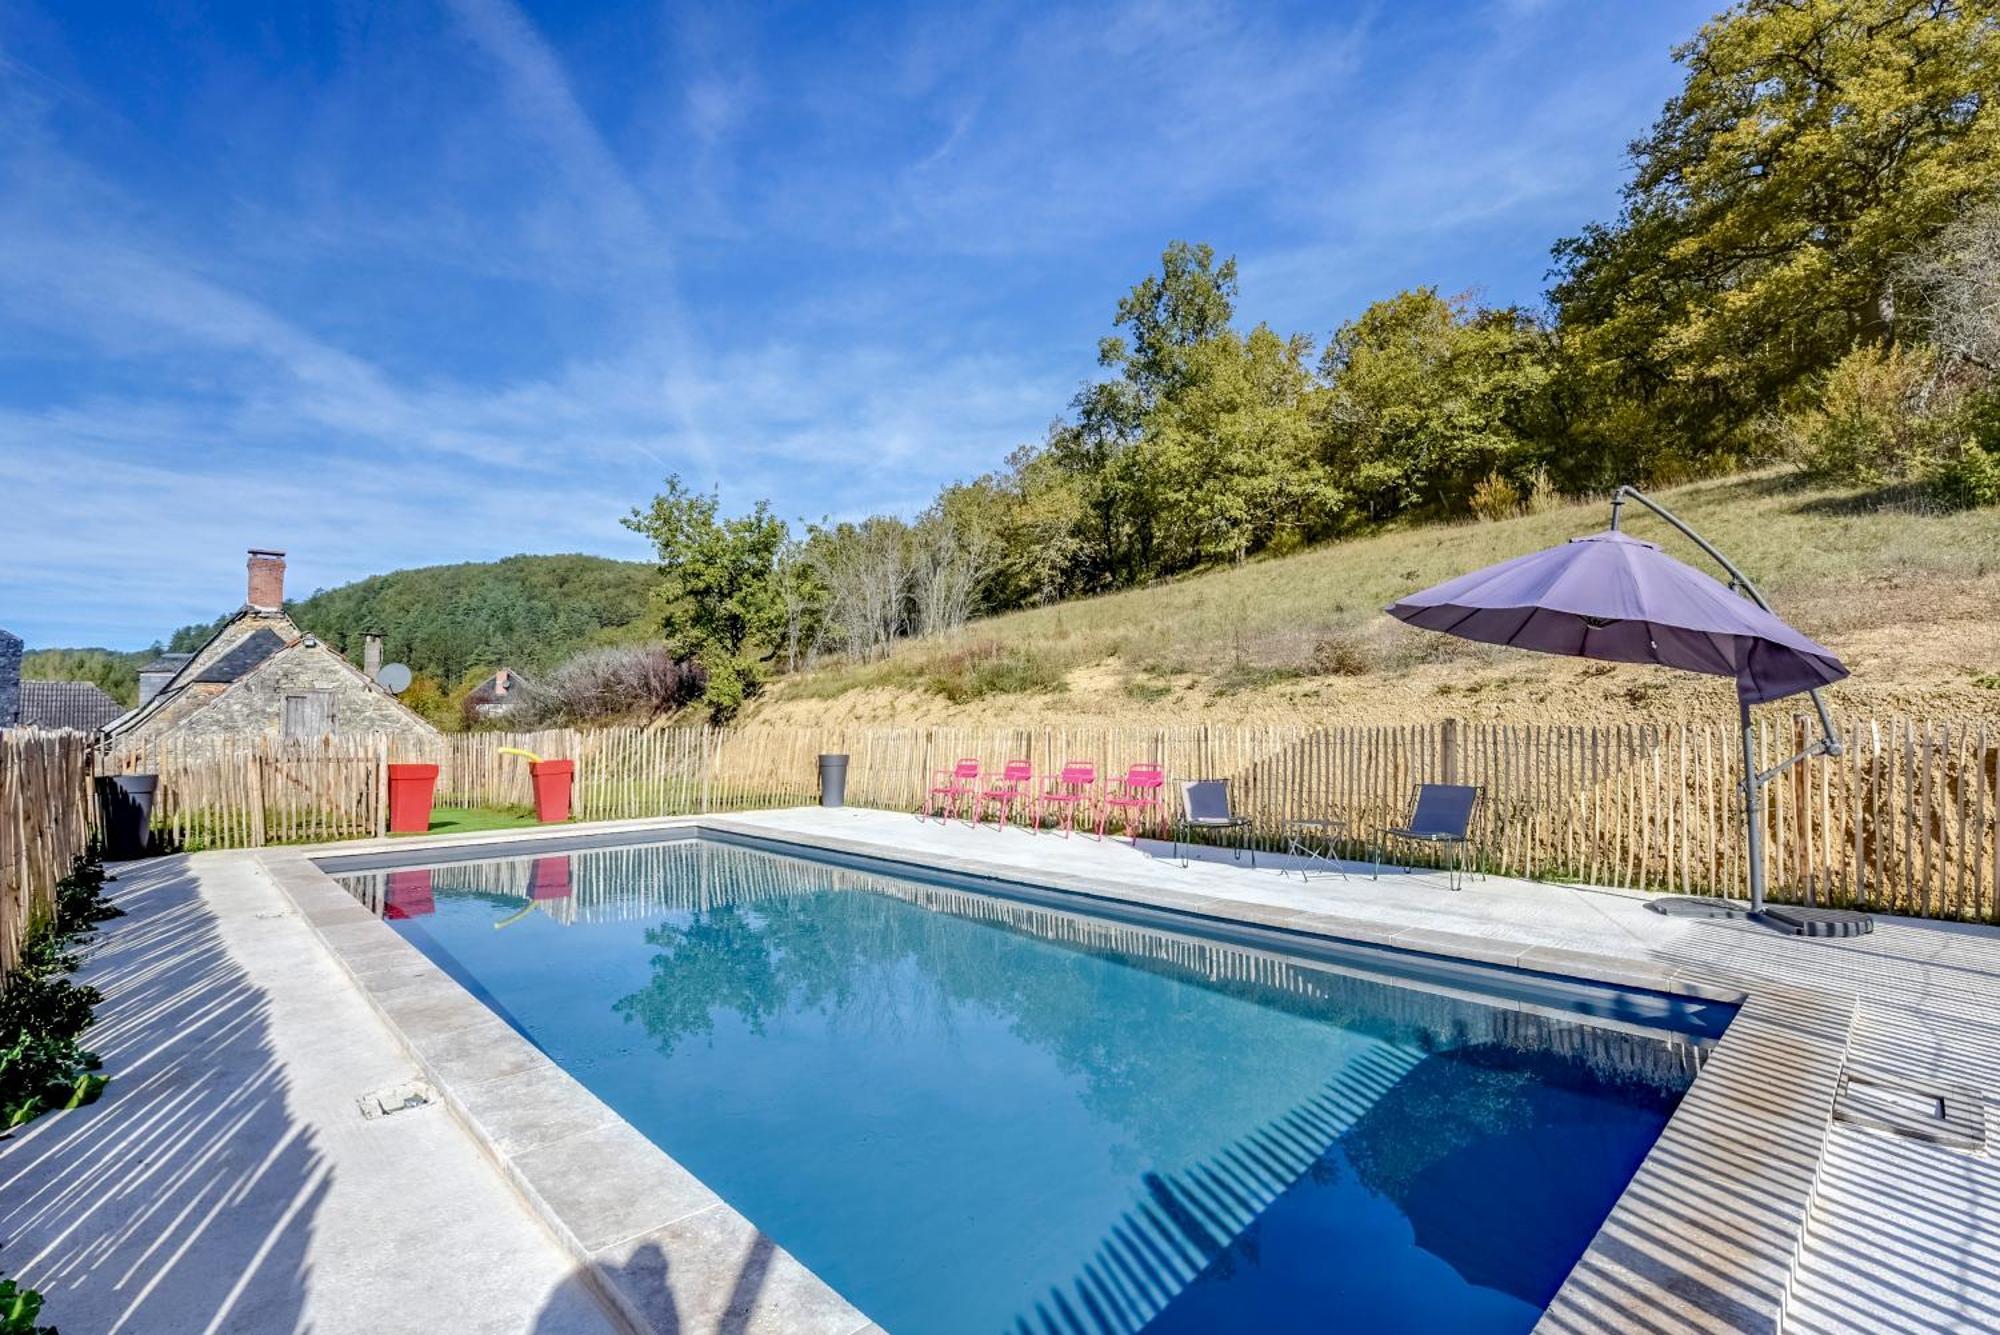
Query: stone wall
point(10, 679)
point(256, 704)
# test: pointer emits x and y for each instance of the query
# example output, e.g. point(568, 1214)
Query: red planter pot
point(553, 780)
point(411, 790)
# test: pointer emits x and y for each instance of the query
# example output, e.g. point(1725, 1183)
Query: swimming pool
point(984, 1111)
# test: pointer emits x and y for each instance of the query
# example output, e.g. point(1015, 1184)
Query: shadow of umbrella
point(1505, 1163)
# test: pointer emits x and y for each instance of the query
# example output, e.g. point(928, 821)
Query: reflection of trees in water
point(1206, 1051)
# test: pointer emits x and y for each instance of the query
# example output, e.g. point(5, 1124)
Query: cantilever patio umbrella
point(1614, 597)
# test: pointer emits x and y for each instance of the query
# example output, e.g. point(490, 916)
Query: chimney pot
point(267, 580)
point(371, 653)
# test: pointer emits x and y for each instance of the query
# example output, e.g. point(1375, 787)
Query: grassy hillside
point(1905, 597)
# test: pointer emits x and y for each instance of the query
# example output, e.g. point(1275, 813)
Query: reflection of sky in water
point(971, 1115)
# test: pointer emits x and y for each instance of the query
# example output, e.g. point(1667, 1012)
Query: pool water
point(969, 1112)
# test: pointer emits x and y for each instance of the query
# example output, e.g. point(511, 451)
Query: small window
point(309, 714)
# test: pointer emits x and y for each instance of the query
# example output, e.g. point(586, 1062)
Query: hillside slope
point(527, 612)
point(1907, 598)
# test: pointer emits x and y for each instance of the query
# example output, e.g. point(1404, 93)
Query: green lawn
point(467, 820)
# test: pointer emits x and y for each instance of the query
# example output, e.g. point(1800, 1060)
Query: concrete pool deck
point(228, 1181)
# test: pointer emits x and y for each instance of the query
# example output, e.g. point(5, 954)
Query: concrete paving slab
point(226, 1180)
point(725, 1275)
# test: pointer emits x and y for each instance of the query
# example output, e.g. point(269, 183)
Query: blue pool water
point(977, 1113)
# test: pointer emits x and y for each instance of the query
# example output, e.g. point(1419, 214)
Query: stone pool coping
point(1705, 1237)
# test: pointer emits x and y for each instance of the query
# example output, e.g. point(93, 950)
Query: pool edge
point(487, 1075)
point(1706, 1235)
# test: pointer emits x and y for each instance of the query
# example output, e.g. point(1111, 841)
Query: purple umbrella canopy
point(1616, 597)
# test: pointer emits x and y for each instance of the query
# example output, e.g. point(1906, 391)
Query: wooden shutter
point(309, 714)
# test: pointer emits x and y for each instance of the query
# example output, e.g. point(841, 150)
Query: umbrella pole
point(1753, 807)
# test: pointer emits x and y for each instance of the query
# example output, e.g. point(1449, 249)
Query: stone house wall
point(10, 679)
point(256, 704)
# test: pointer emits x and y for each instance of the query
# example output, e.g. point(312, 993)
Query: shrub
point(18, 1309)
point(1968, 480)
point(992, 669)
point(43, 1014)
point(731, 681)
point(1341, 655)
point(1869, 421)
point(609, 686)
point(1495, 498)
point(1968, 475)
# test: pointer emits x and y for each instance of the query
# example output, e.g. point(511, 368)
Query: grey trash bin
point(833, 781)
point(125, 804)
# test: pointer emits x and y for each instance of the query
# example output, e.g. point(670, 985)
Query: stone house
point(260, 675)
point(497, 694)
point(10, 678)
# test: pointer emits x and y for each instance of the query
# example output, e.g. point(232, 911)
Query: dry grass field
point(1910, 600)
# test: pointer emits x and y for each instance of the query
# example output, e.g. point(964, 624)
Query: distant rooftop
point(80, 705)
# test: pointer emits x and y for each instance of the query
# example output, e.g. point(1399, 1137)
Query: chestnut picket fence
point(1903, 821)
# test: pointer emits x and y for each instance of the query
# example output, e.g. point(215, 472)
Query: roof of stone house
point(176, 685)
point(6, 634)
point(240, 661)
point(488, 691)
point(259, 650)
point(167, 663)
point(80, 705)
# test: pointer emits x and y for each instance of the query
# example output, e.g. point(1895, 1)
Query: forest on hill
point(452, 624)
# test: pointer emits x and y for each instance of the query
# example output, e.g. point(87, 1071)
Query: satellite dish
point(393, 677)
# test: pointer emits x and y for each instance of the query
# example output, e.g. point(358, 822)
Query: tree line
point(1805, 266)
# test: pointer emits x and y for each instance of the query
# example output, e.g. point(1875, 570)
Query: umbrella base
point(1801, 921)
point(1791, 919)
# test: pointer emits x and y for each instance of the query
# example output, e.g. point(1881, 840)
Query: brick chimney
point(371, 653)
point(267, 580)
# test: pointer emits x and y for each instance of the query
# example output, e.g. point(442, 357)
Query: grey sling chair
point(1205, 806)
point(1441, 817)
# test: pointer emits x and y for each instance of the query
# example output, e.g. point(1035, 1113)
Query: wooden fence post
point(382, 788)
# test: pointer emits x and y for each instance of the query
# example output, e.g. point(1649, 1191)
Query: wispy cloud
point(410, 285)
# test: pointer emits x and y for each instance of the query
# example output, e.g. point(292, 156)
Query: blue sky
point(397, 284)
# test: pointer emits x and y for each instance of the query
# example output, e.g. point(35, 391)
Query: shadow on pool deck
point(647, 1271)
point(184, 1198)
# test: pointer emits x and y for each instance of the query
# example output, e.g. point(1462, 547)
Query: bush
point(18, 1309)
point(1341, 655)
point(992, 669)
point(1869, 422)
point(610, 686)
point(731, 682)
point(1495, 498)
point(43, 1014)
point(1968, 480)
point(1968, 475)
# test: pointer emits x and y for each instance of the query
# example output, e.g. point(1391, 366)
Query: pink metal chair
point(950, 789)
point(1069, 792)
point(1008, 790)
point(1139, 792)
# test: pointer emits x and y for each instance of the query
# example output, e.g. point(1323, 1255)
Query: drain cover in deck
point(1938, 1114)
